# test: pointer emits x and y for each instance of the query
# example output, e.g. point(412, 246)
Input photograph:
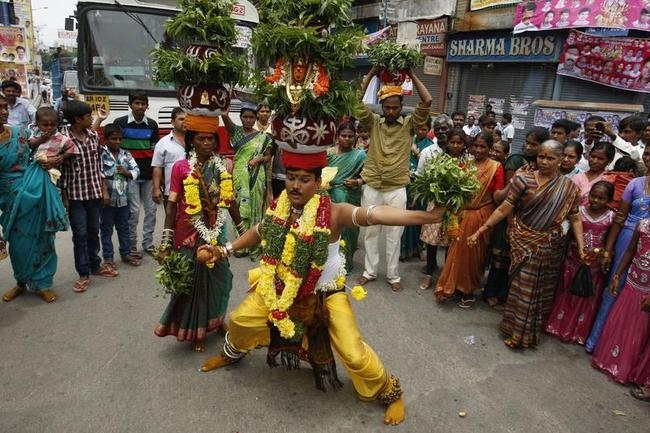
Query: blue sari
point(32, 212)
point(639, 202)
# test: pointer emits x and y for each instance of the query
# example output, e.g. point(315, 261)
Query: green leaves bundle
point(444, 182)
point(390, 56)
point(176, 274)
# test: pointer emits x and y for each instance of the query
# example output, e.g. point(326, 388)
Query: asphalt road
point(90, 363)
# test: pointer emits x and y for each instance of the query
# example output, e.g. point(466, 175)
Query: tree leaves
point(393, 57)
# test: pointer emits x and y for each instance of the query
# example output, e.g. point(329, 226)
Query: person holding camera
point(626, 142)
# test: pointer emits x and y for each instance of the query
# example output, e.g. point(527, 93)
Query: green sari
point(249, 182)
point(31, 213)
point(349, 166)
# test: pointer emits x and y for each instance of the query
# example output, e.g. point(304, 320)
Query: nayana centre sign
point(504, 47)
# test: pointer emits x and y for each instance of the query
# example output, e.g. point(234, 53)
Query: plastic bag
point(581, 284)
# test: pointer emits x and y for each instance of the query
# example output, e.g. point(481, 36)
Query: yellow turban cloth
point(388, 91)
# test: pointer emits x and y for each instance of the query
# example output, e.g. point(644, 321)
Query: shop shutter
point(432, 83)
point(516, 84)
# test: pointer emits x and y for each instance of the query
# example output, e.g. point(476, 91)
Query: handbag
point(582, 285)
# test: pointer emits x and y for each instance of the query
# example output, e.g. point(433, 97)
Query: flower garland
point(191, 190)
point(318, 84)
point(293, 257)
point(321, 82)
point(278, 73)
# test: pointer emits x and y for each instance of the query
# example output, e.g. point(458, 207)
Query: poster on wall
point(12, 45)
point(12, 71)
point(476, 105)
point(623, 63)
point(545, 116)
point(531, 16)
point(476, 5)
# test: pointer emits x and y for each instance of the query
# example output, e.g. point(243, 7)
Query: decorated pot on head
point(211, 99)
point(390, 78)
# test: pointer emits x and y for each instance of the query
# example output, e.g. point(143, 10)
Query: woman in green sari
point(346, 185)
point(252, 153)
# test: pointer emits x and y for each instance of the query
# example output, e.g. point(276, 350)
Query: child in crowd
point(433, 235)
point(599, 157)
point(623, 350)
point(83, 191)
point(50, 144)
point(572, 316)
point(625, 169)
point(363, 138)
point(119, 167)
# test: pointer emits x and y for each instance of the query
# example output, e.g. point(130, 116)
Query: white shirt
point(168, 150)
point(623, 148)
point(508, 132)
point(426, 155)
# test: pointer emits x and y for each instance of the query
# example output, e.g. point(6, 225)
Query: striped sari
point(538, 246)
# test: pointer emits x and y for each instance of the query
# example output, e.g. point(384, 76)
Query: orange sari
point(465, 266)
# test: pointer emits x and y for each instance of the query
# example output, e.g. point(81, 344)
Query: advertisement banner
point(504, 47)
point(623, 63)
point(13, 46)
point(476, 5)
point(546, 116)
point(12, 71)
point(532, 16)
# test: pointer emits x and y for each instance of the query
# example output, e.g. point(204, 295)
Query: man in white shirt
point(630, 131)
point(471, 129)
point(21, 112)
point(168, 150)
point(507, 128)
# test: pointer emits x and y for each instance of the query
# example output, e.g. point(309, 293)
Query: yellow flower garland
point(278, 305)
point(192, 196)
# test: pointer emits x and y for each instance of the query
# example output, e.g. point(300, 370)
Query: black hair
point(506, 146)
point(608, 187)
point(138, 95)
point(497, 132)
point(74, 110)
point(635, 123)
point(564, 124)
point(491, 113)
point(507, 116)
point(574, 125)
point(457, 132)
point(318, 172)
point(540, 133)
point(593, 119)
point(530, 6)
point(46, 111)
point(458, 113)
point(484, 120)
point(625, 163)
point(576, 145)
point(20, 47)
point(486, 136)
point(584, 10)
point(248, 108)
point(176, 111)
point(189, 137)
point(346, 125)
point(6, 84)
point(610, 150)
point(110, 129)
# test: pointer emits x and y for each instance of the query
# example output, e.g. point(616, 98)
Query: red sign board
point(432, 36)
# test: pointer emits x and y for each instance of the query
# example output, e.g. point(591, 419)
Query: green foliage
point(205, 21)
point(393, 57)
point(175, 66)
point(445, 183)
point(305, 13)
point(176, 274)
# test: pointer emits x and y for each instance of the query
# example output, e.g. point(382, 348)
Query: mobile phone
point(600, 126)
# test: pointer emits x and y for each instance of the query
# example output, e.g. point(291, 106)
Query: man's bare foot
point(11, 294)
point(395, 412)
point(216, 362)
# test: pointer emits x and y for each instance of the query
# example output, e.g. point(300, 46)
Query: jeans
point(117, 217)
point(395, 198)
point(142, 190)
point(84, 222)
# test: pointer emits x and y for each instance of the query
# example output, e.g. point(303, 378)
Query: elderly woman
point(253, 150)
point(540, 200)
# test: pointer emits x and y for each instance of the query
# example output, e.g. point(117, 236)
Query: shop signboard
point(475, 5)
point(432, 37)
point(504, 47)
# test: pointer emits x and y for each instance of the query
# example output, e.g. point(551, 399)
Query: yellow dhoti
point(248, 330)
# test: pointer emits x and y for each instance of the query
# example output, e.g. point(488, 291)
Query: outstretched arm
point(497, 216)
point(349, 216)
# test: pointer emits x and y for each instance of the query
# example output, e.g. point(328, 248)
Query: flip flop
point(466, 303)
point(396, 287)
point(363, 281)
point(81, 285)
point(106, 271)
point(640, 394)
point(13, 293)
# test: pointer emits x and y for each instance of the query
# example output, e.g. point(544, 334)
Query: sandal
point(13, 293)
point(396, 287)
point(81, 285)
point(466, 303)
point(111, 264)
point(641, 393)
point(106, 271)
point(426, 282)
point(130, 259)
point(47, 295)
point(364, 280)
point(135, 253)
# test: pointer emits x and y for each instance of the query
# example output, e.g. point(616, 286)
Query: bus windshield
point(115, 48)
